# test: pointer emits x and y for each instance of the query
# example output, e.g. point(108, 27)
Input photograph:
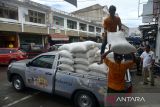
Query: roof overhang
point(148, 27)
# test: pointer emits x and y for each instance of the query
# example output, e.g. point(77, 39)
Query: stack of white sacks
point(81, 57)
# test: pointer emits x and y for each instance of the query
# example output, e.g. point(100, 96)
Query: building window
point(91, 28)
point(58, 21)
point(82, 27)
point(8, 11)
point(35, 17)
point(98, 29)
point(71, 24)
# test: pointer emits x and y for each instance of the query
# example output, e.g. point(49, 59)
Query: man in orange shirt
point(117, 70)
point(110, 25)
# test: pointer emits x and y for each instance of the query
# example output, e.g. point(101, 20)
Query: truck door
point(40, 72)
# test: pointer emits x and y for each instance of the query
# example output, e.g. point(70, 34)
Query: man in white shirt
point(148, 59)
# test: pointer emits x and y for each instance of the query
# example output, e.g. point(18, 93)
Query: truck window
point(45, 61)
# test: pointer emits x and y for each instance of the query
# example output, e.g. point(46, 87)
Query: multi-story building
point(151, 29)
point(74, 27)
point(27, 22)
point(97, 13)
point(22, 22)
point(156, 11)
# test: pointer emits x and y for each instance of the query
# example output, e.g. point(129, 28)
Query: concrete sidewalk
point(138, 86)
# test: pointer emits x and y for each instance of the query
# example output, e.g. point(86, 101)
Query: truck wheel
point(84, 99)
point(18, 83)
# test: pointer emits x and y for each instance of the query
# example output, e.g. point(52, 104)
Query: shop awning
point(59, 37)
point(148, 27)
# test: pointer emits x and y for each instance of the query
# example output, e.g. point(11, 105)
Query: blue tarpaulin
point(134, 40)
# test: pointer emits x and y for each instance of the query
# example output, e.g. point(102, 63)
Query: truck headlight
point(9, 66)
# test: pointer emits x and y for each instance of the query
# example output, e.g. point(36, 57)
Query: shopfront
point(8, 39)
point(33, 44)
point(149, 33)
point(58, 39)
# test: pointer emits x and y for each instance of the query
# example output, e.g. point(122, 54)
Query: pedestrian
point(117, 70)
point(11, 45)
point(148, 59)
point(141, 48)
point(110, 24)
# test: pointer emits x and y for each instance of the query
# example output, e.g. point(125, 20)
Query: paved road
point(29, 98)
point(33, 98)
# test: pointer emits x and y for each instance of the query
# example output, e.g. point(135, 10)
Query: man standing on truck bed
point(110, 25)
point(117, 70)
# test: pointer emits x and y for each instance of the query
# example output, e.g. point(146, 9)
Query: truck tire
point(17, 83)
point(84, 99)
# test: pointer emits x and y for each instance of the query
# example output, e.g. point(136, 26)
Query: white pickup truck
point(43, 74)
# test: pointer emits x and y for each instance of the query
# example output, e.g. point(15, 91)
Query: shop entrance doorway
point(8, 40)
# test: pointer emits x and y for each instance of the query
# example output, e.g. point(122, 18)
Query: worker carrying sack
point(119, 44)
